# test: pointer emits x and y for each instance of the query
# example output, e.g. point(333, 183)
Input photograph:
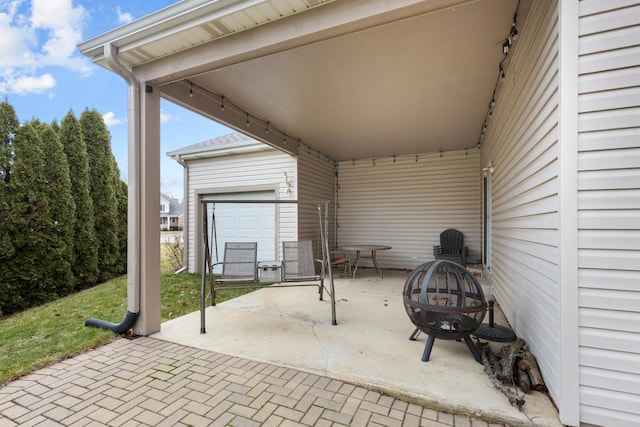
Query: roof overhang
point(351, 79)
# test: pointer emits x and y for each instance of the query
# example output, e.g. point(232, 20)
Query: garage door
point(243, 222)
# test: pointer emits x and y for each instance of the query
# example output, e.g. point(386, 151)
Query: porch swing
point(241, 268)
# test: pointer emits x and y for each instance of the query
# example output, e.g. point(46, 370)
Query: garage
point(242, 222)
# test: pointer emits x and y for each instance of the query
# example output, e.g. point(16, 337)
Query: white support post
point(147, 219)
point(569, 403)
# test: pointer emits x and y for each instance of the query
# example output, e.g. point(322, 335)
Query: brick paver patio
point(152, 382)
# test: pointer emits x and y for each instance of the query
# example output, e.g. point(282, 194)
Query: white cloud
point(40, 84)
point(164, 118)
point(110, 119)
point(38, 34)
point(124, 17)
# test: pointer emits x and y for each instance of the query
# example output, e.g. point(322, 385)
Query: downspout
point(134, 237)
point(185, 222)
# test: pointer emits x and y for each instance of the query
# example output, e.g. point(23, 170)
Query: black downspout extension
point(111, 56)
point(119, 328)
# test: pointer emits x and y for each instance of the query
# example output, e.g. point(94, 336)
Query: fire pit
point(444, 300)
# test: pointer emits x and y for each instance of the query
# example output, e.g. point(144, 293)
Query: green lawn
point(42, 335)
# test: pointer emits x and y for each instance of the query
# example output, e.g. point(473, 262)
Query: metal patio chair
point(298, 264)
point(239, 267)
point(451, 247)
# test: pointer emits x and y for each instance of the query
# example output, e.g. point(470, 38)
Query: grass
point(37, 337)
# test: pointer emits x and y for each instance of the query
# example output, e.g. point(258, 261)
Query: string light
point(506, 45)
point(506, 48)
point(269, 128)
point(396, 158)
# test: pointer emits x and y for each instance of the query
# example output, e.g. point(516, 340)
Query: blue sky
point(43, 75)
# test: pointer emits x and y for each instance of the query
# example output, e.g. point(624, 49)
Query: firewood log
point(523, 378)
point(509, 355)
point(530, 365)
point(509, 391)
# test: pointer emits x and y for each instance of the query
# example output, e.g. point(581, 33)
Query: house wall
point(316, 181)
point(609, 212)
point(521, 144)
point(408, 201)
point(260, 170)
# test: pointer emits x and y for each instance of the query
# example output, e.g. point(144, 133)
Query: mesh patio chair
point(239, 267)
point(298, 264)
point(451, 247)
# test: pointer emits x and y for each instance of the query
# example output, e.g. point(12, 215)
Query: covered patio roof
point(351, 79)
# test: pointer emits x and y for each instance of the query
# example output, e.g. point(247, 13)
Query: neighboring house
point(171, 213)
point(545, 186)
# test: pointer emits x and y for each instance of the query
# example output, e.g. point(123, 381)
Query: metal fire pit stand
point(444, 300)
point(431, 339)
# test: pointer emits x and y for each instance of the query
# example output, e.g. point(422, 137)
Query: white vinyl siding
point(522, 146)
point(316, 181)
point(236, 173)
point(406, 202)
point(609, 212)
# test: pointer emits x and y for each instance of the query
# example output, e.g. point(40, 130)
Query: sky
point(44, 76)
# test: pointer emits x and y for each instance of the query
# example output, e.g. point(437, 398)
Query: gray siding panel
point(522, 146)
point(609, 212)
point(407, 202)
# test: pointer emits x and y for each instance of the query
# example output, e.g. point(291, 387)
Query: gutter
point(134, 256)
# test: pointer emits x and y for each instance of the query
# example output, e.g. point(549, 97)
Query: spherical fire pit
point(444, 300)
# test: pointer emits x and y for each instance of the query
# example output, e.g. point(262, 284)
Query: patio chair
point(298, 264)
point(239, 267)
point(340, 259)
point(451, 247)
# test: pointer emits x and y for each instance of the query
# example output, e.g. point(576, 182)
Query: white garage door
point(243, 222)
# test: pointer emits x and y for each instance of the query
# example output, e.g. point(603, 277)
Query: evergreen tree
point(85, 252)
point(29, 222)
point(8, 126)
point(122, 194)
point(103, 191)
point(56, 173)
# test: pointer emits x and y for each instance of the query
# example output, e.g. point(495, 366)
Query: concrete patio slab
point(369, 347)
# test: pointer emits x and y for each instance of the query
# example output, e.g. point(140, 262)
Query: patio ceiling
point(351, 79)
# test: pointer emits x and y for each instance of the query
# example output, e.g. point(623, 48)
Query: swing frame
point(208, 276)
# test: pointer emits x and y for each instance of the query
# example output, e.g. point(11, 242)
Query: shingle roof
point(224, 144)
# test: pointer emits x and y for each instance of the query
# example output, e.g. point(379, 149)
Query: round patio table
point(365, 248)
